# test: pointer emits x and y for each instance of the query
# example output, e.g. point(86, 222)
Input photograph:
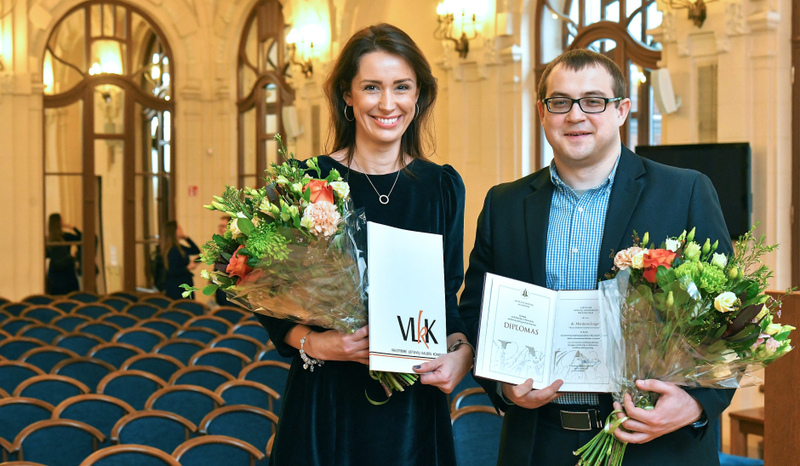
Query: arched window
point(617, 29)
point(263, 91)
point(108, 140)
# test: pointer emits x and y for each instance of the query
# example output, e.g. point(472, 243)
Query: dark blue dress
point(177, 271)
point(325, 417)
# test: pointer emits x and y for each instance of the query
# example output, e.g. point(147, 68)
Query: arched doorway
point(108, 140)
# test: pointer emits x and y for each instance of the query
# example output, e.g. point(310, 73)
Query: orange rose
point(320, 191)
point(655, 258)
point(237, 266)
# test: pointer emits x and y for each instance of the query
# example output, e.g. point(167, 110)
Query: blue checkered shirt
point(574, 236)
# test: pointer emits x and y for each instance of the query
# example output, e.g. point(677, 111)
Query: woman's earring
point(416, 114)
point(345, 114)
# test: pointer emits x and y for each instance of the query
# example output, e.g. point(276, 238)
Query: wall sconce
point(446, 11)
point(305, 36)
point(696, 8)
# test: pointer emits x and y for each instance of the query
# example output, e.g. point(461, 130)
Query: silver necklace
point(382, 198)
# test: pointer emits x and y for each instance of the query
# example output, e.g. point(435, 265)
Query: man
point(559, 228)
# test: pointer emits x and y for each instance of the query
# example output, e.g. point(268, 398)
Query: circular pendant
point(384, 199)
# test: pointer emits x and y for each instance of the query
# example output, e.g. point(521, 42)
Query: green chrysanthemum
point(712, 279)
point(211, 253)
point(688, 269)
point(266, 243)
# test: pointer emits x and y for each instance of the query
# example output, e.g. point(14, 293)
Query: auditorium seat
point(51, 388)
point(231, 314)
point(252, 424)
point(189, 401)
point(157, 364)
point(18, 413)
point(122, 320)
point(141, 310)
point(38, 299)
point(13, 373)
point(203, 335)
point(474, 396)
point(70, 321)
point(159, 429)
point(43, 332)
point(99, 411)
point(165, 327)
point(202, 376)
point(251, 329)
point(46, 357)
point(42, 313)
point(80, 343)
point(90, 371)
point(103, 330)
point(14, 309)
point(83, 296)
point(115, 353)
point(159, 301)
point(216, 449)
point(179, 316)
point(13, 348)
point(181, 349)
point(476, 432)
point(229, 360)
point(116, 302)
point(130, 455)
point(92, 310)
point(217, 324)
point(132, 387)
point(65, 305)
point(15, 324)
point(125, 295)
point(273, 374)
point(246, 392)
point(248, 346)
point(58, 442)
point(195, 307)
point(143, 338)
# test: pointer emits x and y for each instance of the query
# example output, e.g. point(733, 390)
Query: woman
point(176, 259)
point(381, 93)
point(61, 273)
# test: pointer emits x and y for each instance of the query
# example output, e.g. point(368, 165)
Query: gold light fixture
point(300, 42)
point(447, 11)
point(696, 9)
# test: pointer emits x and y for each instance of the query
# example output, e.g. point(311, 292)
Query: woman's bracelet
point(308, 362)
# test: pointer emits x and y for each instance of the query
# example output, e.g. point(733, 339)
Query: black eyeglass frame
point(605, 100)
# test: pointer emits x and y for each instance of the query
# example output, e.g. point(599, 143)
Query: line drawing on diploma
point(576, 366)
point(517, 360)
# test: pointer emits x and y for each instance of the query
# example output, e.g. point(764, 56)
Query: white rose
point(637, 261)
point(341, 188)
point(725, 302)
point(673, 244)
point(719, 260)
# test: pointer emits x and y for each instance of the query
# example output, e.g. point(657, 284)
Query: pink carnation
point(623, 258)
point(321, 218)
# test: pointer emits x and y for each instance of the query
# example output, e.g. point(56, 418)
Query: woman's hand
point(332, 345)
point(446, 371)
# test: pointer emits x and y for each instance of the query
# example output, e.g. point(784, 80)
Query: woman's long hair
point(169, 240)
point(54, 228)
point(418, 137)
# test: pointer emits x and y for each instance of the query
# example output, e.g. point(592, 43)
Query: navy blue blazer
point(511, 241)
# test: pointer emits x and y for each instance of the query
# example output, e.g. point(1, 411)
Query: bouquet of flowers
point(294, 250)
point(687, 315)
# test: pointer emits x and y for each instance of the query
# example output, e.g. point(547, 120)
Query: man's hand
point(525, 396)
point(674, 409)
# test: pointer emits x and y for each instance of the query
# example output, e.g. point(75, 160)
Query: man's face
point(222, 226)
point(580, 139)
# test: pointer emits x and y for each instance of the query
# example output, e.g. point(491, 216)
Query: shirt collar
point(606, 185)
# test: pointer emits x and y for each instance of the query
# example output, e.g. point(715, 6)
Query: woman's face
point(383, 95)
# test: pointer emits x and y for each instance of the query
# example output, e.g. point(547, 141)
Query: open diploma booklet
point(527, 331)
point(406, 298)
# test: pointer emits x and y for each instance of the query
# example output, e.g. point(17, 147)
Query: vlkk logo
point(419, 333)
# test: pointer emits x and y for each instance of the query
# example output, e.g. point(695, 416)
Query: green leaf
point(719, 332)
point(252, 262)
point(226, 256)
point(782, 336)
point(245, 226)
point(210, 289)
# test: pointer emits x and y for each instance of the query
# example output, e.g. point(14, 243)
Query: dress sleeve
point(453, 195)
point(192, 249)
point(278, 329)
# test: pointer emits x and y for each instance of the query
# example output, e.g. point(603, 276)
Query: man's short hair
point(578, 59)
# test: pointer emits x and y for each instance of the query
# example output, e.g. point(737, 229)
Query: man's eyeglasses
point(587, 104)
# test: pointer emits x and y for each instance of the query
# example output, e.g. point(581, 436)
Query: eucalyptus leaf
point(210, 289)
point(245, 226)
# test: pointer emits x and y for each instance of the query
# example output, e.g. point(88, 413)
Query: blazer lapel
point(537, 219)
point(628, 185)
